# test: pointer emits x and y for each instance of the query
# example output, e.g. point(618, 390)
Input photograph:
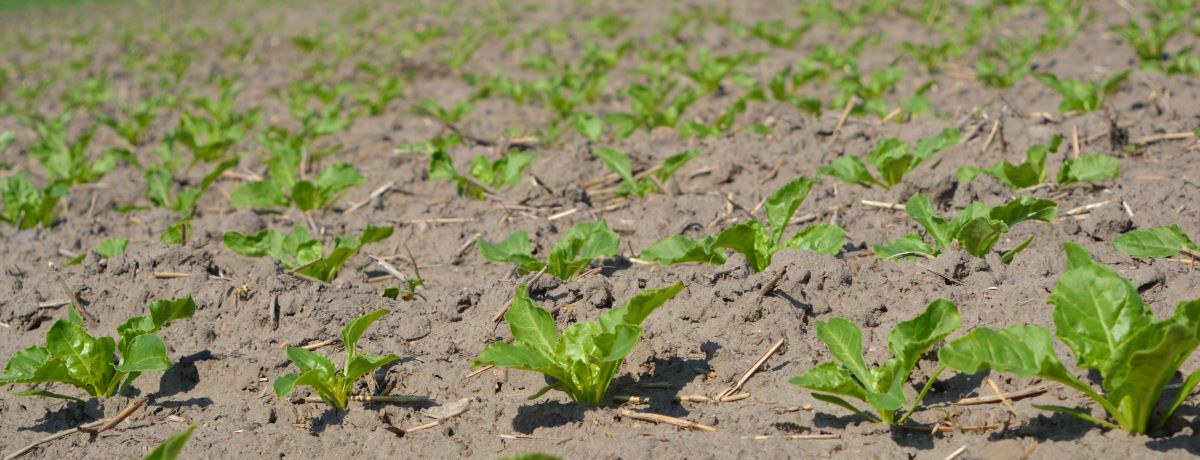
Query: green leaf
point(893, 158)
point(782, 204)
point(1029, 173)
point(442, 167)
point(24, 366)
point(844, 341)
point(304, 194)
point(585, 358)
point(637, 308)
point(908, 341)
point(354, 330)
point(1025, 350)
point(326, 268)
point(589, 126)
point(751, 240)
point(284, 384)
point(1141, 371)
point(850, 169)
point(391, 293)
point(175, 233)
point(678, 249)
point(335, 179)
point(825, 239)
point(326, 385)
point(1162, 241)
point(830, 377)
point(930, 145)
point(1008, 255)
point(614, 345)
point(616, 161)
point(509, 168)
point(172, 446)
point(903, 248)
point(920, 209)
point(261, 244)
point(581, 244)
point(979, 235)
point(531, 325)
point(146, 352)
point(363, 363)
point(259, 194)
point(967, 174)
point(1025, 208)
point(1077, 256)
point(521, 357)
point(1089, 168)
point(374, 234)
point(308, 361)
point(112, 247)
point(1095, 312)
point(673, 163)
point(163, 311)
point(912, 338)
point(86, 359)
point(516, 247)
point(623, 124)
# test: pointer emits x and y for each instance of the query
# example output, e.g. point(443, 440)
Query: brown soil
point(697, 344)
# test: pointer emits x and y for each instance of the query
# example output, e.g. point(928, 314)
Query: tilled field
point(766, 92)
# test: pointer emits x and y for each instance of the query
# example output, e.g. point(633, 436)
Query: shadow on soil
point(1185, 416)
point(662, 385)
point(1189, 443)
point(183, 376)
point(548, 414)
point(70, 415)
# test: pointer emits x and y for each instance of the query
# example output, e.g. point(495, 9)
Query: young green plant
point(584, 359)
point(893, 158)
point(1101, 318)
point(758, 242)
point(881, 387)
point(74, 357)
point(1016, 176)
point(284, 186)
point(296, 251)
point(1161, 241)
point(977, 228)
point(647, 182)
point(334, 385)
point(25, 206)
point(170, 448)
point(485, 175)
point(582, 244)
point(1082, 95)
point(106, 248)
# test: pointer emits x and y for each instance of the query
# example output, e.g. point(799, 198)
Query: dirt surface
point(698, 344)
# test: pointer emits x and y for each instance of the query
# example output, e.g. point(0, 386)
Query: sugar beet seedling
point(881, 387)
point(585, 357)
point(72, 356)
point(334, 385)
